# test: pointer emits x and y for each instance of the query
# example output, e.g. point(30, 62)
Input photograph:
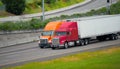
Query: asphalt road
point(15, 55)
point(94, 4)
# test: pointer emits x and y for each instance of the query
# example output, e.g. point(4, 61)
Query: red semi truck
point(81, 32)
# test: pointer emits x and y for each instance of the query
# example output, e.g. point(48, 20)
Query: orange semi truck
point(48, 34)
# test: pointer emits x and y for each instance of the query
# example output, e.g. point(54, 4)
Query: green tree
point(15, 6)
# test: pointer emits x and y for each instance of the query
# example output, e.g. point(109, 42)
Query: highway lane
point(28, 52)
point(94, 4)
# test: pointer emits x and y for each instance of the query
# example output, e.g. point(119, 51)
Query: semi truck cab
point(65, 36)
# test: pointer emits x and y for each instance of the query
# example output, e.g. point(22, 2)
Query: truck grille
point(55, 41)
point(43, 41)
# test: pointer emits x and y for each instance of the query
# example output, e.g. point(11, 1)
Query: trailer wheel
point(113, 37)
point(66, 45)
point(116, 37)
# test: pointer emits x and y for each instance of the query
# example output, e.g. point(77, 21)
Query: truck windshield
point(47, 33)
point(61, 33)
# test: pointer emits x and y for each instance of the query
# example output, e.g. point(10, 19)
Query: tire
point(53, 48)
point(86, 41)
point(113, 37)
point(41, 47)
point(66, 45)
point(82, 43)
point(116, 37)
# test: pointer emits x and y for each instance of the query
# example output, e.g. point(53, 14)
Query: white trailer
point(101, 27)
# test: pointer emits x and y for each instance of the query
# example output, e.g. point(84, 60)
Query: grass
point(37, 6)
point(61, 4)
point(102, 59)
point(5, 14)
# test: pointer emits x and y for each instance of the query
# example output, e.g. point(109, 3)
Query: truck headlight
point(50, 41)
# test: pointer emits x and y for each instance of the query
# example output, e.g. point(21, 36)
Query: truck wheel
point(82, 42)
point(86, 41)
point(65, 45)
point(53, 48)
point(41, 47)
